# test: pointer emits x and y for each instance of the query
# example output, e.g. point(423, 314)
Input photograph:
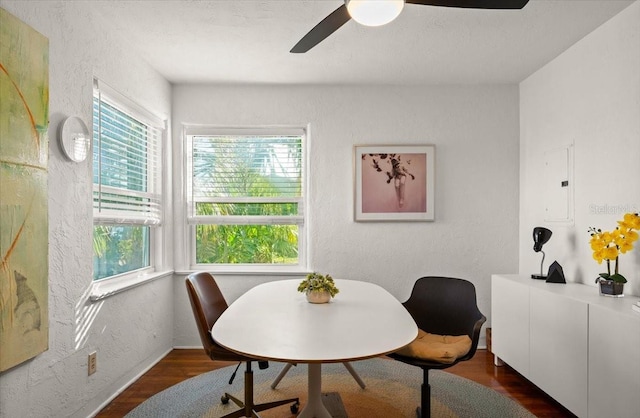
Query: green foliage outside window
point(247, 168)
point(119, 249)
point(247, 244)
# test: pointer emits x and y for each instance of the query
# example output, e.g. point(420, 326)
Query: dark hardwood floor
point(180, 365)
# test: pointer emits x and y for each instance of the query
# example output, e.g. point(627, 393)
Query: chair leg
point(424, 410)
point(354, 374)
point(249, 408)
point(268, 405)
point(255, 408)
point(232, 398)
point(248, 391)
point(246, 407)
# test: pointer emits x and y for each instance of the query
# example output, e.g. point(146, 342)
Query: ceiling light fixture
point(374, 12)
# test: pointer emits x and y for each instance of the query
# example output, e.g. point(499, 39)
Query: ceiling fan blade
point(473, 4)
point(322, 30)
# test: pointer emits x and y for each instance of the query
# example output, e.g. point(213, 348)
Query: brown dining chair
point(449, 323)
point(208, 304)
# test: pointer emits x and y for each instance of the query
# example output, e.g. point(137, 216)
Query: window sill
point(105, 288)
point(229, 272)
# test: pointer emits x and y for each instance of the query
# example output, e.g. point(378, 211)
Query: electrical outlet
point(93, 363)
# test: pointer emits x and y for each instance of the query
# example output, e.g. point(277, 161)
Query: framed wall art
point(24, 222)
point(394, 182)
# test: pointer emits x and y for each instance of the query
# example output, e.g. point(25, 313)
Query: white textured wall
point(474, 128)
point(589, 95)
point(131, 330)
point(475, 131)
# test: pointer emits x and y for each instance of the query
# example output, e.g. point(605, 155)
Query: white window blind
point(126, 167)
point(245, 177)
point(244, 190)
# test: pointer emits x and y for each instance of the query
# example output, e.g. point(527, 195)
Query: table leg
point(314, 407)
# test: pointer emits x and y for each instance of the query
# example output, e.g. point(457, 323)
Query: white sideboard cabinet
point(581, 348)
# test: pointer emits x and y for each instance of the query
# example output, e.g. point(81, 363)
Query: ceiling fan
point(380, 12)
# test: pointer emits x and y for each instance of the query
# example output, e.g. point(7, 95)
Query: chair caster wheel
point(295, 408)
point(224, 399)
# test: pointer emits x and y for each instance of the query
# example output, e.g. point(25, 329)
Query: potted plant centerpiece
point(318, 288)
point(608, 246)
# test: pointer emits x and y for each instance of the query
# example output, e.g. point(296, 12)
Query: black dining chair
point(442, 306)
point(208, 304)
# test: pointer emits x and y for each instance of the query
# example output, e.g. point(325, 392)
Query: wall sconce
point(74, 139)
point(540, 237)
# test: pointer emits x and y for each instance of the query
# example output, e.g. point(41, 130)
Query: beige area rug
point(392, 390)
point(380, 398)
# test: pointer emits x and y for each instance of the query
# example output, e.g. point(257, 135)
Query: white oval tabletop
point(274, 321)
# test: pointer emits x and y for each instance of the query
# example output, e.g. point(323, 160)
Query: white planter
point(318, 296)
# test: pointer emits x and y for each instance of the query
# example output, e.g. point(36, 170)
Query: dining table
point(273, 321)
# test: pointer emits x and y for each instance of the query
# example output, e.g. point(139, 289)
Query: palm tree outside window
point(245, 197)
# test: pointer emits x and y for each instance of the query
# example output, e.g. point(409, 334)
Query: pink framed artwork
point(394, 182)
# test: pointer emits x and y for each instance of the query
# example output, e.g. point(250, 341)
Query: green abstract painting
point(24, 226)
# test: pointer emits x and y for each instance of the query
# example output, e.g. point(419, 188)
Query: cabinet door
point(614, 363)
point(510, 323)
point(559, 328)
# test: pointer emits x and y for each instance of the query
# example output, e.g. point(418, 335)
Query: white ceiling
point(248, 41)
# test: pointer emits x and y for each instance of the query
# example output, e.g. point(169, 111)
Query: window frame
point(157, 256)
point(188, 132)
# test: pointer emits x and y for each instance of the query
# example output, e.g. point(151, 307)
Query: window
point(245, 197)
point(127, 206)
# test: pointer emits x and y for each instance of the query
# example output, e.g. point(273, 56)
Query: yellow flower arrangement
point(609, 245)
